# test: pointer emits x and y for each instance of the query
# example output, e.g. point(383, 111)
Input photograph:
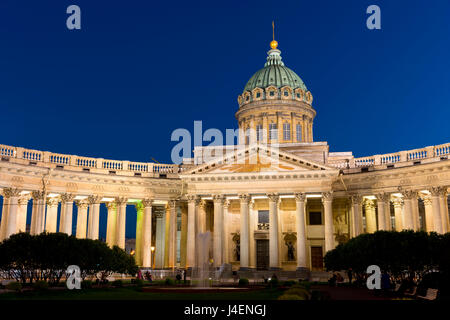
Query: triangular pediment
point(254, 159)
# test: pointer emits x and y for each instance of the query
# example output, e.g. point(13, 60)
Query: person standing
point(350, 275)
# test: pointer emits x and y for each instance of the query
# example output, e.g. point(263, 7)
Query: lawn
point(132, 293)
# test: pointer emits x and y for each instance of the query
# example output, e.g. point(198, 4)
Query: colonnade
point(377, 209)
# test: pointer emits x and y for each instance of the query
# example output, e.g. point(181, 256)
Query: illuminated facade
point(262, 215)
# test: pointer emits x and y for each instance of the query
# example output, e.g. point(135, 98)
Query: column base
point(275, 269)
point(302, 269)
point(246, 269)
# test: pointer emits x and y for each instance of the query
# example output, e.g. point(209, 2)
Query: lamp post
point(152, 263)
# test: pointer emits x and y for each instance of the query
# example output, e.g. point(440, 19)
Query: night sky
point(137, 70)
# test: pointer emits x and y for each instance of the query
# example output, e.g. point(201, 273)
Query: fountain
point(202, 272)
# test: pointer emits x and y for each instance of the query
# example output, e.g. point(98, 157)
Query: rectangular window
point(299, 132)
point(263, 216)
point(315, 218)
point(286, 131)
point(273, 131)
point(259, 132)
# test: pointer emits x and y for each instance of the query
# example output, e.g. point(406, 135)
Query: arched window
point(286, 131)
point(273, 131)
point(259, 132)
point(299, 132)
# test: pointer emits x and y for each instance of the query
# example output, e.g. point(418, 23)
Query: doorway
point(262, 254)
point(316, 259)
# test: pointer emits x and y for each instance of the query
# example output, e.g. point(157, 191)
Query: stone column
point(5, 210)
point(111, 224)
point(253, 217)
point(39, 211)
point(11, 226)
point(172, 250)
point(159, 252)
point(244, 238)
point(415, 211)
point(226, 237)
point(408, 219)
point(382, 211)
point(81, 218)
point(139, 233)
point(121, 204)
point(356, 215)
point(438, 223)
point(191, 231)
point(201, 216)
point(428, 213)
point(444, 210)
point(147, 234)
point(52, 215)
point(67, 202)
point(217, 237)
point(398, 209)
point(22, 214)
point(327, 199)
point(183, 237)
point(94, 216)
point(300, 224)
point(371, 219)
point(274, 261)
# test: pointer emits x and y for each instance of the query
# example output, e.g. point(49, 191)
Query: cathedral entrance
point(262, 254)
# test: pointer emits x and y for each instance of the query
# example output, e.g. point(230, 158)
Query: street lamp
point(152, 256)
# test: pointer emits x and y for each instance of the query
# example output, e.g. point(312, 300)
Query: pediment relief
point(257, 158)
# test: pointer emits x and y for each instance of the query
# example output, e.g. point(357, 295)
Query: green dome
point(275, 73)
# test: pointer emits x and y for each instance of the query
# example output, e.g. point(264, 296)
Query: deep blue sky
point(137, 70)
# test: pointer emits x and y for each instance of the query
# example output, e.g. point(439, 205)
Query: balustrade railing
point(86, 162)
point(115, 165)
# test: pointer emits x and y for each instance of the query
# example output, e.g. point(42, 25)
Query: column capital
point(300, 197)
point(120, 201)
point(383, 196)
point(38, 195)
point(273, 197)
point(52, 202)
point(94, 199)
point(218, 198)
point(327, 196)
point(244, 198)
point(193, 198)
point(369, 204)
point(427, 200)
point(82, 204)
point(23, 200)
point(356, 199)
point(147, 202)
point(172, 203)
point(438, 191)
point(409, 194)
point(67, 197)
point(398, 202)
point(11, 192)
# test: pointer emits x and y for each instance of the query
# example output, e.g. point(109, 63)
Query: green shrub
point(139, 282)
point(273, 283)
point(169, 282)
point(301, 292)
point(40, 285)
point(303, 284)
point(117, 283)
point(290, 297)
point(243, 282)
point(86, 284)
point(289, 283)
point(16, 286)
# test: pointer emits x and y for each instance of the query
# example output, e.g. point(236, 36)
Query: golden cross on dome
point(274, 43)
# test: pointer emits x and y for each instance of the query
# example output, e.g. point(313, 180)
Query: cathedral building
point(278, 200)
